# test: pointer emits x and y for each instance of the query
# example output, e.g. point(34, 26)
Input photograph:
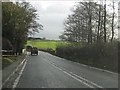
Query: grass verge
point(7, 60)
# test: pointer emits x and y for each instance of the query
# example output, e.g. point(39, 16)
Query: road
point(48, 71)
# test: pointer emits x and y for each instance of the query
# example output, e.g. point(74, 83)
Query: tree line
point(91, 22)
point(18, 21)
point(91, 30)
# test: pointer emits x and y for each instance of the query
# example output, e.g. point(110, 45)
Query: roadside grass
point(7, 60)
point(45, 44)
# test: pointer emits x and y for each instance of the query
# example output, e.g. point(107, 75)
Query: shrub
point(103, 55)
point(49, 50)
point(6, 62)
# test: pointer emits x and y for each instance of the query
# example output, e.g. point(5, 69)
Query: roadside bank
point(8, 71)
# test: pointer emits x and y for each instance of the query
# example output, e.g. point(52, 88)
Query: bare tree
point(90, 22)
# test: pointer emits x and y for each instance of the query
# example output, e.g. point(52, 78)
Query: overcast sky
point(52, 15)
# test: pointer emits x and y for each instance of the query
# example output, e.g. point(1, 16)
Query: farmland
point(45, 44)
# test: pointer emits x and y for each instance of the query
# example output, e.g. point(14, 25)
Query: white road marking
point(13, 72)
point(18, 78)
point(103, 70)
point(87, 80)
point(76, 77)
point(87, 65)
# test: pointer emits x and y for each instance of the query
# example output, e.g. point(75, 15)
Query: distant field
point(44, 44)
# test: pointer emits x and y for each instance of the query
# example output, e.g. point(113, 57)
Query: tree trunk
point(113, 15)
point(89, 25)
point(105, 40)
point(99, 22)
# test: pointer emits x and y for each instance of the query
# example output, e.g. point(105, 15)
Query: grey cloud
point(57, 8)
point(52, 19)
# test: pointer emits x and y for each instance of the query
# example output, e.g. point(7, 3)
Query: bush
point(49, 50)
point(6, 62)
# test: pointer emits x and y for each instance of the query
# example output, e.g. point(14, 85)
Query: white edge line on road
point(18, 78)
point(83, 82)
point(13, 72)
point(91, 67)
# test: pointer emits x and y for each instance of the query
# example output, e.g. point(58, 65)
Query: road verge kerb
point(91, 67)
point(15, 70)
point(103, 70)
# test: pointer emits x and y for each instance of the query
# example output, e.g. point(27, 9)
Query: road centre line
point(76, 77)
point(87, 80)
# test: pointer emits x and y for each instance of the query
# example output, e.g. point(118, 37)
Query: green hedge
point(102, 55)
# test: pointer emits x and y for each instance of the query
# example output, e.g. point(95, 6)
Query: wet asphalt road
point(48, 71)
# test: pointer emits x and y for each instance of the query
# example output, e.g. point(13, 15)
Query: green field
point(45, 44)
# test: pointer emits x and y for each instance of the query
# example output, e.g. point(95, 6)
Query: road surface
point(48, 71)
